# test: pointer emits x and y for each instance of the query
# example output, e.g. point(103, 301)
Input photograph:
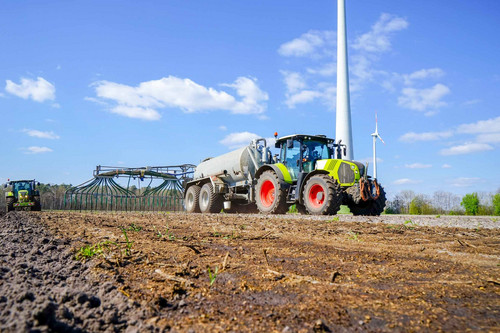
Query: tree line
point(441, 202)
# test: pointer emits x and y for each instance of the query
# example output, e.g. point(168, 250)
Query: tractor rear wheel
point(192, 198)
point(322, 195)
point(37, 207)
point(210, 202)
point(370, 207)
point(10, 203)
point(270, 194)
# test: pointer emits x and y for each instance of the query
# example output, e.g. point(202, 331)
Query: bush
point(496, 204)
point(470, 202)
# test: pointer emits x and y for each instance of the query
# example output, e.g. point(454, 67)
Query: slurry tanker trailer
point(309, 172)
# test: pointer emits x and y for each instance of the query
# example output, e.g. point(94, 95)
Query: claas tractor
point(308, 172)
point(22, 195)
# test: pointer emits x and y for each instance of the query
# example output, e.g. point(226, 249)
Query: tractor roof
point(21, 181)
point(305, 136)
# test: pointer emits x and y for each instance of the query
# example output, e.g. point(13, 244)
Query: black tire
point(322, 195)
point(270, 194)
point(370, 207)
point(210, 202)
point(10, 203)
point(192, 199)
point(38, 206)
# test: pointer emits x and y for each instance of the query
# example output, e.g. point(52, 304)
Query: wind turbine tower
point(343, 130)
point(375, 136)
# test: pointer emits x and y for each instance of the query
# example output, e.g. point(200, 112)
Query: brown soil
point(277, 274)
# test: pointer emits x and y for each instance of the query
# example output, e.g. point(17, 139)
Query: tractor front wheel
point(210, 202)
point(10, 204)
point(370, 207)
point(270, 194)
point(322, 195)
point(192, 198)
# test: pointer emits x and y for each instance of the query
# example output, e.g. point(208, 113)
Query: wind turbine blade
point(378, 136)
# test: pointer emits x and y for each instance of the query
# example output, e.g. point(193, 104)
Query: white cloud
point(446, 166)
point(40, 134)
point(466, 148)
point(305, 96)
point(426, 136)
point(482, 126)
point(136, 112)
point(489, 138)
point(423, 74)
point(423, 99)
point(418, 166)
point(293, 81)
point(313, 43)
point(239, 139)
point(223, 128)
point(328, 69)
point(37, 150)
point(465, 181)
point(405, 181)
point(173, 92)
point(377, 39)
point(38, 90)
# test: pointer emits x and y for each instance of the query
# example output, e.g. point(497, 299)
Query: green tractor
point(317, 180)
point(22, 195)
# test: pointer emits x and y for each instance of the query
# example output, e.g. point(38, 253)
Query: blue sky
point(136, 83)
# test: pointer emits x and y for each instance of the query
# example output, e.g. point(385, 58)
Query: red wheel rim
point(267, 193)
point(316, 196)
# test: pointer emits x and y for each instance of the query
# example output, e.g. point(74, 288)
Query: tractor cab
point(299, 153)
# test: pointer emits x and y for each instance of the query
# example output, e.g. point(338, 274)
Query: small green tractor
point(22, 195)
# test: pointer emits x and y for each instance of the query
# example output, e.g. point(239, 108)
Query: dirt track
point(282, 274)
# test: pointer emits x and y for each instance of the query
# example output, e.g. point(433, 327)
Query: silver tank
point(236, 166)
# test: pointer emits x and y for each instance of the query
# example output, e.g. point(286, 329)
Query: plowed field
point(201, 273)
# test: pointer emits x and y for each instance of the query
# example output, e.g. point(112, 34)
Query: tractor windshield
point(316, 150)
point(21, 186)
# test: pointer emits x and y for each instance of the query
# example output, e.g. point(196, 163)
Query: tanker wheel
point(10, 204)
point(270, 194)
point(210, 202)
point(370, 207)
point(192, 198)
point(322, 195)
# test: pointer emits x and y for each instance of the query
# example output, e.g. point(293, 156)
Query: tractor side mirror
point(277, 145)
point(4, 185)
point(289, 143)
point(345, 151)
point(37, 183)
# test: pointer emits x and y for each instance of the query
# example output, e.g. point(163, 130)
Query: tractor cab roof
point(21, 181)
point(321, 138)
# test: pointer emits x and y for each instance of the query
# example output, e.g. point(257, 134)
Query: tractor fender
point(283, 178)
point(306, 178)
